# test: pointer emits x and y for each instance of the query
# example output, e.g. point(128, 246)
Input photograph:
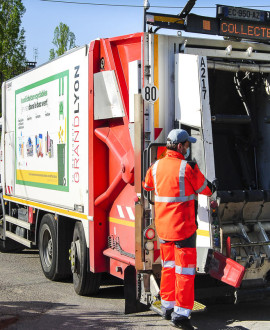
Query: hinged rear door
point(192, 111)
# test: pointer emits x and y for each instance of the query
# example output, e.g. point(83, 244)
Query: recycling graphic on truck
point(42, 133)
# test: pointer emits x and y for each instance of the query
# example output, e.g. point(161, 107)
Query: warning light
point(214, 204)
point(149, 233)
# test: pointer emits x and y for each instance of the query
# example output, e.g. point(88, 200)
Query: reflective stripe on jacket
point(176, 183)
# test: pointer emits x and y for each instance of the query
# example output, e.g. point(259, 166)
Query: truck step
point(19, 239)
point(198, 307)
point(18, 222)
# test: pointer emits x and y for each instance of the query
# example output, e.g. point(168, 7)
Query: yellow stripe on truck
point(201, 232)
point(122, 222)
point(168, 19)
point(45, 207)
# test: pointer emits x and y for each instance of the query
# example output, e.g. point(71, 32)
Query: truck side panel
point(47, 113)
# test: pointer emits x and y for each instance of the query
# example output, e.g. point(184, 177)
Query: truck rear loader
point(79, 132)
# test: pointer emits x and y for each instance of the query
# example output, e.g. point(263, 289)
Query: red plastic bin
point(226, 270)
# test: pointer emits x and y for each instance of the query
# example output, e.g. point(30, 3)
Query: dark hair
point(173, 146)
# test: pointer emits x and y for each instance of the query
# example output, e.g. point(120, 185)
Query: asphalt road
point(29, 301)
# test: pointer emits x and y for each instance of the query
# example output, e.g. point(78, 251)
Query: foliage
point(12, 38)
point(63, 40)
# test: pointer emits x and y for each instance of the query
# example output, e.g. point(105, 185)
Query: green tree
point(63, 40)
point(12, 39)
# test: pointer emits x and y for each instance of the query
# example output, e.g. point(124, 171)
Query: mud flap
point(132, 305)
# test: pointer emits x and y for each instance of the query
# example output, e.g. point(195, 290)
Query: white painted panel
point(206, 119)
point(203, 221)
point(166, 88)
point(48, 106)
point(134, 82)
point(187, 90)
point(107, 98)
point(193, 109)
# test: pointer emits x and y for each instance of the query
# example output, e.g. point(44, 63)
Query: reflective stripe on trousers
point(182, 311)
point(185, 270)
point(169, 263)
point(168, 304)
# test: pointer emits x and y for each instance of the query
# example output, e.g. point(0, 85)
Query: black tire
point(85, 283)
point(47, 245)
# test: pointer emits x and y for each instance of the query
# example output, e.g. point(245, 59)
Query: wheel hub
point(50, 248)
point(47, 248)
point(74, 256)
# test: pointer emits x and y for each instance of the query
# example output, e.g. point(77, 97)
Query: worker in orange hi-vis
point(177, 182)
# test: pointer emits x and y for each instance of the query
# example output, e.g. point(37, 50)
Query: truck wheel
point(47, 244)
point(85, 283)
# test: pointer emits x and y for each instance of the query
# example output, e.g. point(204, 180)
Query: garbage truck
point(79, 133)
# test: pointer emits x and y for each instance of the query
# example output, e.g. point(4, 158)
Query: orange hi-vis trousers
point(178, 273)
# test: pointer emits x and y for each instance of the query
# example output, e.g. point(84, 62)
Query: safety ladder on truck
point(14, 232)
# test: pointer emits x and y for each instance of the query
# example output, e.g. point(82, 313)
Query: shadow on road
point(26, 251)
point(111, 292)
point(223, 316)
point(42, 315)
point(47, 315)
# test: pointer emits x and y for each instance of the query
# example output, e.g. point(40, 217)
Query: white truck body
point(49, 131)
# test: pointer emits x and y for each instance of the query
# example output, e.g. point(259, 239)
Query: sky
point(89, 22)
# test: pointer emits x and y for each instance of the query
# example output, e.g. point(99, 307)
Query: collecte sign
point(241, 29)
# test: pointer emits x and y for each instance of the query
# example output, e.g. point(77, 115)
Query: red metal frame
point(111, 160)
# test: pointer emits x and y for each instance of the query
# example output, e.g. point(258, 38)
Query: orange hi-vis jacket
point(177, 183)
